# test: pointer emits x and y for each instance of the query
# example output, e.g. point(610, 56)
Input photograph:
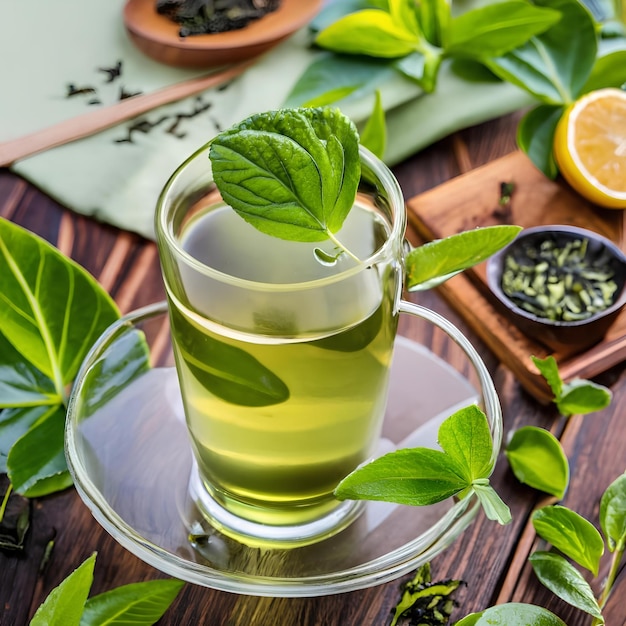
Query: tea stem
point(5, 501)
point(610, 580)
point(339, 245)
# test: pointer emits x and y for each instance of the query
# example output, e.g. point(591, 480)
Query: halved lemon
point(590, 147)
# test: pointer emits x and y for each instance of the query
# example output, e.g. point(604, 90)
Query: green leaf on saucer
point(571, 534)
point(613, 514)
point(64, 606)
point(434, 262)
point(512, 614)
point(564, 580)
point(291, 173)
point(51, 309)
point(140, 604)
point(537, 460)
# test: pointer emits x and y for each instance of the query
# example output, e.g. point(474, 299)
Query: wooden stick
point(95, 121)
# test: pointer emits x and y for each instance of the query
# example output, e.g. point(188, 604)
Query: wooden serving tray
point(472, 200)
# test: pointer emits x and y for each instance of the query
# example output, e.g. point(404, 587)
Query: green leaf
point(369, 32)
point(292, 174)
point(613, 513)
point(434, 262)
point(493, 506)
point(17, 422)
point(434, 19)
point(374, 134)
point(555, 65)
point(21, 384)
point(36, 462)
point(466, 438)
point(139, 604)
point(609, 71)
point(537, 459)
point(581, 397)
point(498, 28)
point(421, 67)
point(404, 14)
point(51, 309)
point(226, 371)
point(413, 476)
point(549, 369)
point(564, 580)
point(535, 136)
point(512, 614)
point(332, 77)
point(64, 605)
point(571, 534)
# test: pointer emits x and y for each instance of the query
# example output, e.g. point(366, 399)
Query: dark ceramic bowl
point(557, 334)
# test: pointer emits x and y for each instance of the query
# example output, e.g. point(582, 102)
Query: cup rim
point(395, 237)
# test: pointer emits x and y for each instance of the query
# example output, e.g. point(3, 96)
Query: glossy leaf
point(512, 614)
point(292, 174)
point(370, 32)
point(21, 384)
point(571, 534)
point(609, 71)
point(374, 134)
point(551, 71)
point(466, 438)
point(36, 462)
point(413, 476)
point(613, 514)
point(51, 308)
point(434, 262)
point(333, 77)
point(64, 605)
point(564, 580)
point(498, 28)
point(226, 371)
point(581, 397)
point(14, 423)
point(549, 369)
point(535, 136)
point(537, 459)
point(139, 604)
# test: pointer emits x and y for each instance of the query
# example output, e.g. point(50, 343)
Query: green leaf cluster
point(142, 604)
point(51, 312)
point(575, 540)
point(423, 476)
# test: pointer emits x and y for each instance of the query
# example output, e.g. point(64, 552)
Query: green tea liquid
point(278, 463)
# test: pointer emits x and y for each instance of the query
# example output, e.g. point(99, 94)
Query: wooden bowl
point(157, 35)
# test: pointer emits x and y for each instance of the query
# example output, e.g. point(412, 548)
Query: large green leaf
point(434, 262)
point(333, 77)
point(292, 173)
point(36, 462)
point(613, 514)
point(512, 614)
point(551, 71)
point(570, 533)
point(64, 606)
point(498, 28)
point(137, 604)
point(564, 580)
point(51, 309)
point(14, 423)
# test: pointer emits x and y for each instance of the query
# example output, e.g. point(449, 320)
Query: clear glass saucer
point(129, 455)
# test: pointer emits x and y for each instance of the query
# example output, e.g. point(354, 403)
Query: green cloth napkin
point(72, 42)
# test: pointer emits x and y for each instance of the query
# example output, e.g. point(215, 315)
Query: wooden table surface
point(491, 559)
